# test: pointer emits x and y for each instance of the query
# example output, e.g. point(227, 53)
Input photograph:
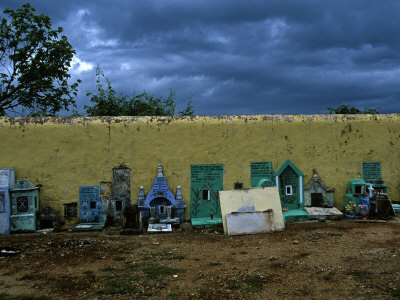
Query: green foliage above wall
point(108, 103)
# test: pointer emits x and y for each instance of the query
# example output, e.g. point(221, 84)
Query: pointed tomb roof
point(286, 164)
point(316, 178)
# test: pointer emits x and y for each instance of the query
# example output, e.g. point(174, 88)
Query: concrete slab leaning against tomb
point(257, 210)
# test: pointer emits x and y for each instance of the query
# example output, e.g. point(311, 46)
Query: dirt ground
point(329, 260)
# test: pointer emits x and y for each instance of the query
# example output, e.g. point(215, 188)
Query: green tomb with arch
point(289, 180)
point(206, 182)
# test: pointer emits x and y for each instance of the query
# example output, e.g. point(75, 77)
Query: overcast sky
point(237, 57)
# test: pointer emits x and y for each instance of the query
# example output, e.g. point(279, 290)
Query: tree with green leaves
point(349, 109)
point(108, 103)
point(34, 64)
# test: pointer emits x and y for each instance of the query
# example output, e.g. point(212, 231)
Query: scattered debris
point(370, 221)
point(9, 251)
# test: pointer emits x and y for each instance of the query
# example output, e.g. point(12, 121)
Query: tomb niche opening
point(317, 194)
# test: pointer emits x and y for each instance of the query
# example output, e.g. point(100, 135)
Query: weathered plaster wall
point(65, 153)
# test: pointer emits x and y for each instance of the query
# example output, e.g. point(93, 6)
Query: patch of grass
point(169, 254)
point(33, 276)
point(118, 258)
point(202, 292)
point(395, 291)
point(107, 269)
point(159, 285)
point(304, 254)
point(89, 274)
point(30, 276)
point(67, 283)
point(7, 273)
point(301, 292)
point(64, 285)
point(213, 264)
point(133, 266)
point(163, 254)
point(173, 296)
point(233, 285)
point(121, 286)
point(254, 283)
point(385, 273)
point(147, 256)
point(327, 277)
point(5, 296)
point(156, 271)
point(4, 285)
point(178, 257)
point(277, 265)
point(359, 273)
point(98, 257)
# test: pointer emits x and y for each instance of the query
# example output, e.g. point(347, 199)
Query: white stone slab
point(159, 228)
point(83, 226)
point(249, 222)
point(45, 230)
point(90, 226)
point(323, 211)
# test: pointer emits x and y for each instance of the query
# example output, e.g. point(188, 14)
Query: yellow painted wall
point(65, 153)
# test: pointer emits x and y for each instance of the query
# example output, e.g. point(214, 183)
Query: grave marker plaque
point(206, 182)
point(120, 192)
point(261, 170)
point(90, 205)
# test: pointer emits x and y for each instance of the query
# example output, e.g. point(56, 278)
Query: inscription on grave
point(261, 170)
point(372, 171)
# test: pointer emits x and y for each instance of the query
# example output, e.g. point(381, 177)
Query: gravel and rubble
point(330, 260)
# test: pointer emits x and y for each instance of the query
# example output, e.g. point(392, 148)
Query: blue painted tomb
point(7, 180)
point(160, 205)
point(24, 205)
point(90, 204)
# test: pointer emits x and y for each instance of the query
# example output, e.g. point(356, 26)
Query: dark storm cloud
point(238, 57)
